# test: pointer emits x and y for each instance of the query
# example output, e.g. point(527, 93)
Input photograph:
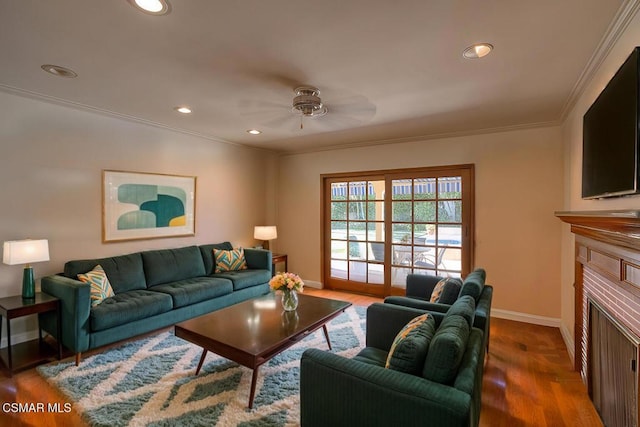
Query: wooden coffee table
point(252, 332)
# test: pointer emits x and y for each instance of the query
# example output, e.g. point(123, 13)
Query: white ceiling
point(388, 70)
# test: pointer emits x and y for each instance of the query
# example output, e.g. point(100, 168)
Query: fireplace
point(607, 310)
point(613, 369)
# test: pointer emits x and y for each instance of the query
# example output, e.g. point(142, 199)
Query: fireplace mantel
point(619, 228)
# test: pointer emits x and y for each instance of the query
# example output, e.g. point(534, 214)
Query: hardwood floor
point(528, 381)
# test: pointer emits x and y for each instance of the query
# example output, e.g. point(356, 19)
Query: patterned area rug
point(152, 382)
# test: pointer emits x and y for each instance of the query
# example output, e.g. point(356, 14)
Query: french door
point(380, 226)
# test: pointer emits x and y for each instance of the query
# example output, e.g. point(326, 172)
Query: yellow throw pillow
point(409, 348)
point(437, 291)
point(100, 286)
point(232, 260)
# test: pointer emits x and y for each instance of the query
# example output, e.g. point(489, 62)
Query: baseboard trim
point(313, 284)
point(526, 318)
point(567, 337)
point(19, 338)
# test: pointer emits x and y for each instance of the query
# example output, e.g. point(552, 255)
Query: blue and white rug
point(152, 382)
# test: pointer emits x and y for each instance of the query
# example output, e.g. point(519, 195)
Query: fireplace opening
point(613, 368)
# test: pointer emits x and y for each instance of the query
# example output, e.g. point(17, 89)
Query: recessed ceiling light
point(183, 110)
point(477, 50)
point(152, 7)
point(254, 131)
point(59, 71)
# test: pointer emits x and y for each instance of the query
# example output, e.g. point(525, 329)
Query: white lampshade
point(265, 232)
point(25, 251)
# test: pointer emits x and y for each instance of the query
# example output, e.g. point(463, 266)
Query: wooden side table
point(277, 258)
point(32, 352)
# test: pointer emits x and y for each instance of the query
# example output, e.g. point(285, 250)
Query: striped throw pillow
point(232, 260)
point(100, 286)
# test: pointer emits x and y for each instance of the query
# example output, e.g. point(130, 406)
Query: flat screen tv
point(610, 136)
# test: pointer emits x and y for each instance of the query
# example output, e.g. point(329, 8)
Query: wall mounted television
point(610, 138)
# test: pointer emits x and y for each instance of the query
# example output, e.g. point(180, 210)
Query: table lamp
point(265, 233)
point(26, 252)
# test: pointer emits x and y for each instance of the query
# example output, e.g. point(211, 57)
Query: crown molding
point(624, 16)
point(100, 111)
point(420, 138)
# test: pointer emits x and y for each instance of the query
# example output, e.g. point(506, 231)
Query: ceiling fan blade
point(287, 120)
point(357, 107)
point(255, 105)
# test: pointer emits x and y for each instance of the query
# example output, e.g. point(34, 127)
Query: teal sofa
point(444, 391)
point(420, 286)
point(153, 289)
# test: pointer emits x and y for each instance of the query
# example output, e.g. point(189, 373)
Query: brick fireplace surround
point(607, 272)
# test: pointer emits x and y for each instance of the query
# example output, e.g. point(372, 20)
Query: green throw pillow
point(409, 348)
point(464, 306)
point(100, 286)
point(446, 350)
point(232, 260)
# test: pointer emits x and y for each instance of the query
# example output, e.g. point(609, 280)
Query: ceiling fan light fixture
point(152, 7)
point(59, 71)
point(307, 102)
point(478, 50)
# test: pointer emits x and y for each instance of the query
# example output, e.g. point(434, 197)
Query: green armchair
point(419, 288)
point(337, 391)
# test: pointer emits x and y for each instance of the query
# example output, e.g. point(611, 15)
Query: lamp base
point(28, 284)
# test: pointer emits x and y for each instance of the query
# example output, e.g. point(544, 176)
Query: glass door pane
point(357, 233)
point(427, 227)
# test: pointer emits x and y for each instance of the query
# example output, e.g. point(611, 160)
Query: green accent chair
point(445, 392)
point(420, 286)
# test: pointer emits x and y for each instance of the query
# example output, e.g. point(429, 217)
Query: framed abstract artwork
point(147, 206)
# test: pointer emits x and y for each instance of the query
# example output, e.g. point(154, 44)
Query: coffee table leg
point(326, 336)
point(252, 393)
point(204, 354)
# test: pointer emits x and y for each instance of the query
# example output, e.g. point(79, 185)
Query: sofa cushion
point(171, 265)
point(420, 286)
point(232, 260)
point(446, 290)
point(125, 272)
point(372, 356)
point(246, 278)
point(127, 307)
point(99, 282)
point(409, 348)
point(446, 350)
point(473, 284)
point(464, 306)
point(190, 291)
point(207, 254)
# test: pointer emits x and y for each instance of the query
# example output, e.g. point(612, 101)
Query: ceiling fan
point(343, 110)
point(307, 103)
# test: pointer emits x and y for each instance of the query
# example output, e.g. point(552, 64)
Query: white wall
point(51, 162)
point(572, 140)
point(518, 189)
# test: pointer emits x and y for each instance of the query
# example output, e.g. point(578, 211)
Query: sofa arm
point(75, 306)
point(384, 321)
point(483, 313)
point(336, 391)
point(258, 259)
point(419, 304)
